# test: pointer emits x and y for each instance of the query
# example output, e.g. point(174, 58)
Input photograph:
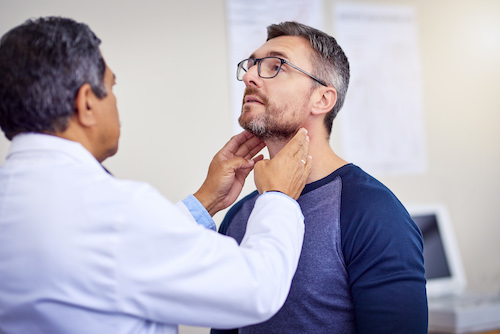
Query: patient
point(361, 269)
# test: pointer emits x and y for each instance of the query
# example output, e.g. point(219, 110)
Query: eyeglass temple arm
point(298, 69)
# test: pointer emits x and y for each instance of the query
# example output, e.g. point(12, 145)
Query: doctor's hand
point(228, 171)
point(288, 171)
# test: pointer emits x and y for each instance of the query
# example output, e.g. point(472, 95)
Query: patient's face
point(276, 108)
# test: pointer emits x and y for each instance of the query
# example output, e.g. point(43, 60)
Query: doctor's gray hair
point(43, 64)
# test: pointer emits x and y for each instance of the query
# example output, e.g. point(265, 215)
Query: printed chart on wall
point(381, 121)
point(247, 23)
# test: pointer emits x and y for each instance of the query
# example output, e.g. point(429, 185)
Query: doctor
point(84, 252)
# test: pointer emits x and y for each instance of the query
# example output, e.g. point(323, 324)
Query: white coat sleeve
point(170, 271)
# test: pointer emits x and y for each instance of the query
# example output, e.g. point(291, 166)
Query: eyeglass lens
point(268, 67)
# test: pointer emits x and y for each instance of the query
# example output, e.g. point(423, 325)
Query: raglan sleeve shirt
point(381, 252)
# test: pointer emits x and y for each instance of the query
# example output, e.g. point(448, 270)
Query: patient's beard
point(270, 125)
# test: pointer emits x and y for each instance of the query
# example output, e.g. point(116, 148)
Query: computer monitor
point(443, 265)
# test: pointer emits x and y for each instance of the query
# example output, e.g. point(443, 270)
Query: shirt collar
point(38, 142)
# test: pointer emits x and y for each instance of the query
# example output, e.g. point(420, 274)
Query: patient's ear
point(325, 100)
point(84, 105)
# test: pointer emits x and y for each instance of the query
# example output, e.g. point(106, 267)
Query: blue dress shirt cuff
point(199, 213)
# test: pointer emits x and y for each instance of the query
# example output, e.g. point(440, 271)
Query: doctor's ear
point(325, 101)
point(84, 103)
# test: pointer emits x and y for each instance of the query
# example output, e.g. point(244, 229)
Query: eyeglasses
point(267, 68)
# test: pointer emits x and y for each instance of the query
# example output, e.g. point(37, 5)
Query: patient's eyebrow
point(278, 54)
point(273, 54)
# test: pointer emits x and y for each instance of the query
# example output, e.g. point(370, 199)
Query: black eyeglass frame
point(282, 61)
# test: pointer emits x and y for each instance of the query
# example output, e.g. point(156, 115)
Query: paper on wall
point(381, 122)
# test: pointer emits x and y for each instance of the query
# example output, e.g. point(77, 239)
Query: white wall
point(170, 58)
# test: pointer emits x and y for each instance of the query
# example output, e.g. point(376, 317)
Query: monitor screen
point(435, 262)
point(443, 266)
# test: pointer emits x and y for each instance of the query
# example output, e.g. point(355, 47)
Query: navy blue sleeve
point(383, 250)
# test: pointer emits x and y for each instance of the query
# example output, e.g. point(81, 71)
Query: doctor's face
point(109, 121)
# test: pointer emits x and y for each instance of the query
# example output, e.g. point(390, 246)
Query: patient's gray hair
point(329, 61)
